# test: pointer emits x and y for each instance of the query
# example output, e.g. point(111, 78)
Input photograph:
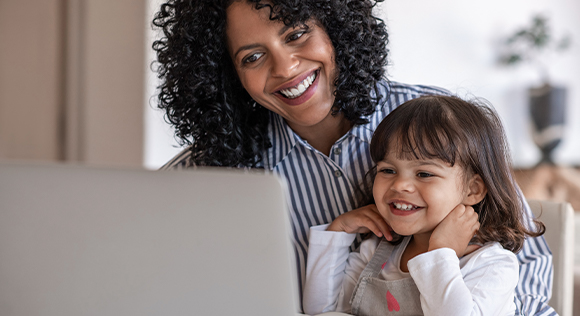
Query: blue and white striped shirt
point(323, 187)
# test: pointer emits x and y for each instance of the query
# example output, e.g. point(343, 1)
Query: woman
point(296, 87)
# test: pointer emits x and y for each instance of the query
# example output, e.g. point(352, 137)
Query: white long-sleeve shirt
point(480, 283)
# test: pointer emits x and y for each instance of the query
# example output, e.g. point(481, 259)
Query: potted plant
point(547, 102)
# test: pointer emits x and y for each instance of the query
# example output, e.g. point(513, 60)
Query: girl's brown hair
point(469, 134)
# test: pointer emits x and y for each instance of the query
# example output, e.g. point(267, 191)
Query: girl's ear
point(476, 190)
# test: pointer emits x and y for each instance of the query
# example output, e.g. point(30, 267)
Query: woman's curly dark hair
point(203, 97)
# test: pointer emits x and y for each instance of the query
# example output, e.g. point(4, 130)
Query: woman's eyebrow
point(252, 46)
point(245, 47)
point(283, 30)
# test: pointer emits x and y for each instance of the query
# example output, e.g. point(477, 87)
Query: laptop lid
point(92, 241)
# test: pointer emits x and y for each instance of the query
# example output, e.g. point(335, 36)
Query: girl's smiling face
point(289, 71)
point(414, 196)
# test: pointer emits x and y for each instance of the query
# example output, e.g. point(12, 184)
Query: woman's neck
point(324, 134)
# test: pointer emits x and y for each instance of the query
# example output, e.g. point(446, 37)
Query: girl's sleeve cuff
point(320, 236)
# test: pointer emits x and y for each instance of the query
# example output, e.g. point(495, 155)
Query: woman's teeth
point(297, 91)
point(404, 207)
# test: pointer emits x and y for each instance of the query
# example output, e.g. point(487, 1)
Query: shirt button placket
point(337, 173)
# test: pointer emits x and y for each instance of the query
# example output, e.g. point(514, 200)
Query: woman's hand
point(456, 230)
point(362, 220)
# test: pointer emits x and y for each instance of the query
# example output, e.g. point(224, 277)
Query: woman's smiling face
point(289, 71)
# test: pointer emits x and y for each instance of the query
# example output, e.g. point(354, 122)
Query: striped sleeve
point(180, 161)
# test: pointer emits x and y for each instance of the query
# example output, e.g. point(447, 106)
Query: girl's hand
point(362, 220)
point(456, 230)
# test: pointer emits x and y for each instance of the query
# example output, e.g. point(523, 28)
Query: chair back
point(559, 220)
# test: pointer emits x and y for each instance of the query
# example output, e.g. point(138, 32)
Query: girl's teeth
point(403, 207)
point(299, 89)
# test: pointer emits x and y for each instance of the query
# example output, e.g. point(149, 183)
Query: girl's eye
point(424, 174)
point(387, 171)
point(252, 58)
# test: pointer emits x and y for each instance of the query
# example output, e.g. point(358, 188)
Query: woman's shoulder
point(411, 90)
point(180, 161)
point(393, 93)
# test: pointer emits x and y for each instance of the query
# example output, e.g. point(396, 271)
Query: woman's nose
point(284, 64)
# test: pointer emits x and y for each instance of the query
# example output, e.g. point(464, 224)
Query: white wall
point(450, 43)
point(160, 145)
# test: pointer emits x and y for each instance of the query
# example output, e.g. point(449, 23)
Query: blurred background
point(77, 86)
point(77, 83)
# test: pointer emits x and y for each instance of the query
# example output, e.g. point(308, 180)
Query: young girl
point(441, 163)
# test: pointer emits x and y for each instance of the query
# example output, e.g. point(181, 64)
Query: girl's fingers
point(388, 235)
point(362, 220)
point(383, 229)
point(374, 228)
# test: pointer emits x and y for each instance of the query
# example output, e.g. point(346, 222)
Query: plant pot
point(548, 111)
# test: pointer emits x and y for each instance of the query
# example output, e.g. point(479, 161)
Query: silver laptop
point(91, 241)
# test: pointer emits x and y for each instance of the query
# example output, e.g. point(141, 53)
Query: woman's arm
point(484, 286)
point(535, 285)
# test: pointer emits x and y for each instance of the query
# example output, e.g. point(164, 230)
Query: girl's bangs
point(421, 141)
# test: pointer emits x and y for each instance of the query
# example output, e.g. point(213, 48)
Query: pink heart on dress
point(392, 303)
point(383, 266)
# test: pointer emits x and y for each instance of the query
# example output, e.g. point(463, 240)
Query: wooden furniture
point(551, 183)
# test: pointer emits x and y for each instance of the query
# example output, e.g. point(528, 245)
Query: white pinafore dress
point(373, 296)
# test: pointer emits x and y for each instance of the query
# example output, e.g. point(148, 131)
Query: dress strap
point(374, 267)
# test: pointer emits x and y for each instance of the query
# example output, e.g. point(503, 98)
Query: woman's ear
point(476, 190)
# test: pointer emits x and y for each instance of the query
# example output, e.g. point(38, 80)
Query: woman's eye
point(295, 36)
point(424, 174)
point(252, 58)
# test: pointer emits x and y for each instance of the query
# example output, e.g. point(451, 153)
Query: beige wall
point(72, 80)
point(30, 79)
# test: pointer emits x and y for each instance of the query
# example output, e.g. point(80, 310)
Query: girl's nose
point(402, 184)
point(284, 64)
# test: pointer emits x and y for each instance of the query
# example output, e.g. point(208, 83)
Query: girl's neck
point(418, 244)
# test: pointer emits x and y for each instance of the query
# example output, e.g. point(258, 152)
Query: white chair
point(559, 221)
